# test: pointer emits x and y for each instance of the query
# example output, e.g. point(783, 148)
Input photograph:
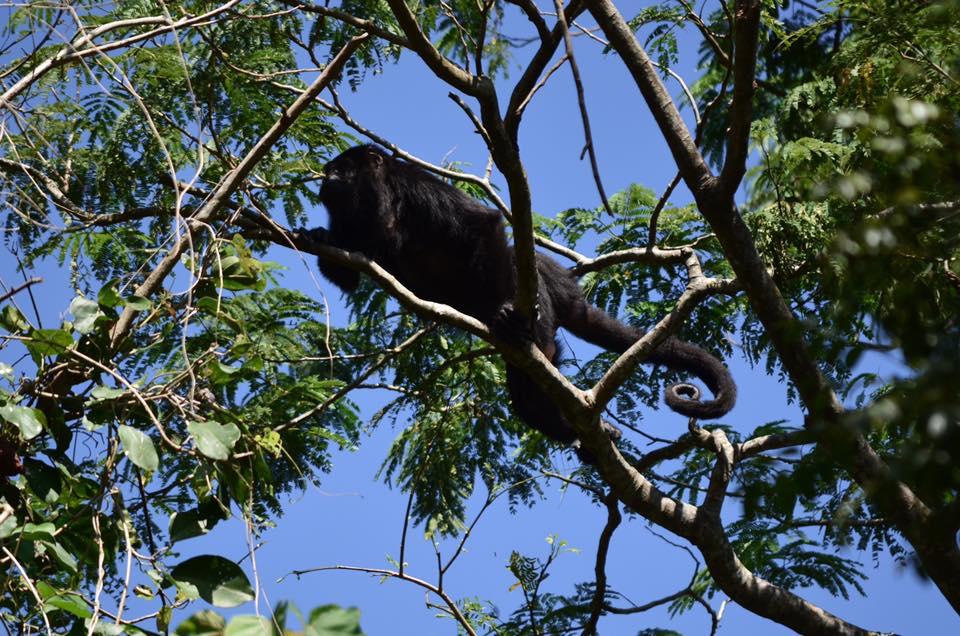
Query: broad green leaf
point(163, 619)
point(196, 521)
point(12, 320)
point(138, 303)
point(217, 580)
point(6, 371)
point(46, 342)
point(214, 440)
point(30, 421)
point(44, 480)
point(70, 603)
point(8, 526)
point(222, 373)
point(333, 620)
point(58, 552)
point(138, 447)
point(202, 623)
point(108, 296)
point(249, 626)
point(85, 313)
point(105, 393)
point(38, 531)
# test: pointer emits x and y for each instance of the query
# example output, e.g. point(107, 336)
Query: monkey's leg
point(343, 277)
point(536, 409)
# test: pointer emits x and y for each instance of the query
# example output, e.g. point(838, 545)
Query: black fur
point(446, 247)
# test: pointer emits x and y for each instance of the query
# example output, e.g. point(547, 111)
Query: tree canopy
point(163, 154)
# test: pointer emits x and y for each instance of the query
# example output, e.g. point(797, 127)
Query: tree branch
point(220, 196)
point(696, 173)
point(746, 27)
point(442, 67)
point(75, 50)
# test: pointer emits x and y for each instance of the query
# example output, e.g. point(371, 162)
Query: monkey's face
point(350, 178)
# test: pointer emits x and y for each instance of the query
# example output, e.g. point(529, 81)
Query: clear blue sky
point(352, 519)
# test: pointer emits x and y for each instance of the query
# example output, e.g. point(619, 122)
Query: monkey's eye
point(338, 169)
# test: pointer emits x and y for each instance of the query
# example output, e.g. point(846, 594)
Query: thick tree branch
point(347, 18)
point(443, 68)
point(937, 551)
point(654, 256)
point(527, 357)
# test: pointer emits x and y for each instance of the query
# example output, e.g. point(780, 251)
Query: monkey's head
point(354, 179)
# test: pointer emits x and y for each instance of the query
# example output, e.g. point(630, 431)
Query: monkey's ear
point(376, 159)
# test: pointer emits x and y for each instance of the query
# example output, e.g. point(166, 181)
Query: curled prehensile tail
point(596, 326)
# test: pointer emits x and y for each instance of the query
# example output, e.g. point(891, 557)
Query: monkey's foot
point(585, 455)
point(614, 432)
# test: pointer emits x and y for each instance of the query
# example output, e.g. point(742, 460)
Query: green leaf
point(108, 296)
point(202, 623)
point(214, 440)
point(105, 393)
point(137, 303)
point(60, 554)
point(333, 620)
point(138, 447)
point(6, 371)
point(8, 526)
point(163, 619)
point(46, 342)
point(70, 603)
point(38, 531)
point(249, 626)
point(196, 521)
point(217, 580)
point(44, 480)
point(85, 313)
point(12, 320)
point(222, 373)
point(30, 421)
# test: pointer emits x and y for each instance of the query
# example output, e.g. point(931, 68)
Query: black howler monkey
point(446, 247)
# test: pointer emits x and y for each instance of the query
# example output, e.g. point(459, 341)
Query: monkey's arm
point(343, 277)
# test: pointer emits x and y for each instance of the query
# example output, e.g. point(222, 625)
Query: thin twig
point(582, 103)
point(19, 288)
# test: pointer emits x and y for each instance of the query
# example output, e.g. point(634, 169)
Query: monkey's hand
point(511, 325)
point(317, 234)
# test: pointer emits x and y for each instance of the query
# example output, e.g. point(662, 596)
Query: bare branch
point(745, 33)
point(19, 288)
point(696, 173)
point(443, 68)
point(347, 18)
point(582, 103)
point(600, 568)
point(75, 50)
point(451, 605)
